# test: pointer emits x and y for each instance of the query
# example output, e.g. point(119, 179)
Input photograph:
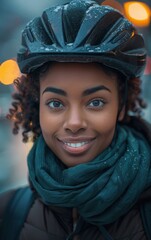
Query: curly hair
point(25, 107)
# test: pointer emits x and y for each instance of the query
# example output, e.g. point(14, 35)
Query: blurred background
point(14, 14)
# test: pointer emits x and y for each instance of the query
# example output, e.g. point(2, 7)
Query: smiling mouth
point(76, 147)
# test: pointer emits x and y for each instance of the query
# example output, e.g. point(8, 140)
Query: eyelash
point(54, 108)
point(102, 101)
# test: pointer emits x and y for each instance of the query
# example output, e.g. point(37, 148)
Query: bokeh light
point(138, 13)
point(9, 71)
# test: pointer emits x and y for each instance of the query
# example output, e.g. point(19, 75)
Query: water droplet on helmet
point(65, 7)
point(47, 49)
point(69, 44)
point(98, 49)
point(29, 23)
point(57, 9)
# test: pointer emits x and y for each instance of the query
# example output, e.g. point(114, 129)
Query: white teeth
point(76, 145)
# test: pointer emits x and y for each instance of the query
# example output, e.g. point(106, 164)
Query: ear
point(121, 114)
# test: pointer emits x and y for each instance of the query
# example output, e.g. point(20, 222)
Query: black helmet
point(82, 31)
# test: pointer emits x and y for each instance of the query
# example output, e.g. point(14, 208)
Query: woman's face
point(79, 106)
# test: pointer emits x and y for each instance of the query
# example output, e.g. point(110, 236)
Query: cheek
point(107, 118)
point(49, 123)
point(105, 122)
point(105, 125)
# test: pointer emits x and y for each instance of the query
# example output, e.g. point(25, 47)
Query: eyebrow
point(85, 92)
point(55, 90)
point(95, 89)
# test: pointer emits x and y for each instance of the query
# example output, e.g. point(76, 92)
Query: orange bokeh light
point(138, 13)
point(9, 71)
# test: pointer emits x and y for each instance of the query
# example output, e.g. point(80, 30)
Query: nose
point(75, 120)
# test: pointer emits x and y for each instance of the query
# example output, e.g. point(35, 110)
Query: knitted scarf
point(103, 189)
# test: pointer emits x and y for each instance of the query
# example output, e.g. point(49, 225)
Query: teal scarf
point(103, 189)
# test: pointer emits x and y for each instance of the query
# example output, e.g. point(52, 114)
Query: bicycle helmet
point(82, 31)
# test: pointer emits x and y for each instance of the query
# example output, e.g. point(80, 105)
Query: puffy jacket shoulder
point(42, 223)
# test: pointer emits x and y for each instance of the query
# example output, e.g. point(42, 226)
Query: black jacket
point(54, 223)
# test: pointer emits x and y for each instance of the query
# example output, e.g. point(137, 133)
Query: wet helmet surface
point(82, 31)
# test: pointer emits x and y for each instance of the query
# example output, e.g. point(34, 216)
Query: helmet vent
point(47, 30)
point(73, 15)
point(136, 42)
point(30, 35)
point(37, 32)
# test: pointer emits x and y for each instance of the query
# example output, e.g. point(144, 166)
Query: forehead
point(75, 79)
point(60, 72)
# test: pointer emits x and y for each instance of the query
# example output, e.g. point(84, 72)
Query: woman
point(89, 167)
